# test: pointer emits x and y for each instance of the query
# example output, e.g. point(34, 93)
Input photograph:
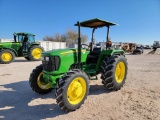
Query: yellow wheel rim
point(7, 56)
point(120, 72)
point(76, 90)
point(41, 84)
point(36, 53)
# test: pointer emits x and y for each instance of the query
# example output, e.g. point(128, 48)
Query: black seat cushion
point(94, 55)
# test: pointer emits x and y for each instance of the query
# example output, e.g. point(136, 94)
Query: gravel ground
point(139, 99)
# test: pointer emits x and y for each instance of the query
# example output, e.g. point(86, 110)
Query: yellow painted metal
point(42, 85)
point(36, 53)
point(76, 90)
point(120, 72)
point(6, 56)
point(64, 53)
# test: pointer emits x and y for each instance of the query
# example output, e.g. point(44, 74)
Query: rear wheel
point(37, 82)
point(72, 90)
point(114, 72)
point(6, 56)
point(35, 53)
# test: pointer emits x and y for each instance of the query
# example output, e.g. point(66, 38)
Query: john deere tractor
point(24, 45)
point(69, 70)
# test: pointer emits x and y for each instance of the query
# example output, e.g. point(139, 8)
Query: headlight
point(47, 58)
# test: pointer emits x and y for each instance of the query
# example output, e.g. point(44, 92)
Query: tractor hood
point(63, 58)
point(62, 52)
point(7, 44)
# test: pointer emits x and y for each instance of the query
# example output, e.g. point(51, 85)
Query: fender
point(32, 44)
point(16, 54)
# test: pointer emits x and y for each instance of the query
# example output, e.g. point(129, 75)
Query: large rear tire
point(35, 53)
point(6, 56)
point(114, 72)
point(37, 83)
point(72, 89)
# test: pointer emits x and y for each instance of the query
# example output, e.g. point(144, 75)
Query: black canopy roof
point(94, 23)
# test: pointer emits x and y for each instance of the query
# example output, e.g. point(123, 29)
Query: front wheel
point(72, 89)
point(114, 72)
point(6, 56)
point(37, 82)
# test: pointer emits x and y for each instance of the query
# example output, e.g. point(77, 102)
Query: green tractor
point(69, 70)
point(24, 45)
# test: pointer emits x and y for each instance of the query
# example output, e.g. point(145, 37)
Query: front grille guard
point(52, 64)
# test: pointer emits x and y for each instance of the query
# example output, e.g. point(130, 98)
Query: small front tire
point(72, 89)
point(37, 83)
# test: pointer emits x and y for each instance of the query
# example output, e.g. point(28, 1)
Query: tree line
point(70, 36)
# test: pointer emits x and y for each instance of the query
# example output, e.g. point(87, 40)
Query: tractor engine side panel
point(15, 47)
point(67, 59)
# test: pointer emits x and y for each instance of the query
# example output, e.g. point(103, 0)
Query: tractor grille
point(51, 64)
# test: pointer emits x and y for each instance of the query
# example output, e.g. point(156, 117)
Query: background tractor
point(24, 45)
point(138, 50)
point(69, 70)
point(156, 45)
point(129, 47)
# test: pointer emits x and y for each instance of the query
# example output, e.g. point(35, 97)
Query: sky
point(139, 20)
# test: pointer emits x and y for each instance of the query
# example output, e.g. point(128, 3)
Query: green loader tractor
point(69, 70)
point(24, 45)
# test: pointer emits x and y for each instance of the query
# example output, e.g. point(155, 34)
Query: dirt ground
point(139, 99)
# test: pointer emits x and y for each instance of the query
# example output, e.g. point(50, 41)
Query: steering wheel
point(85, 46)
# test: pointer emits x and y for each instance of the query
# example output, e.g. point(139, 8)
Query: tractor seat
point(95, 53)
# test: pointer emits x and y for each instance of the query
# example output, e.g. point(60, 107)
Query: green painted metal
point(67, 58)
point(52, 79)
point(14, 46)
point(109, 53)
